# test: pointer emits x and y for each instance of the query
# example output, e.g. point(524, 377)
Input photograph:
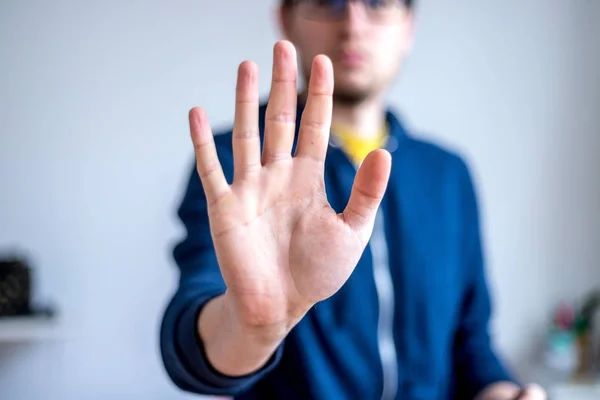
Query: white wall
point(516, 85)
point(94, 152)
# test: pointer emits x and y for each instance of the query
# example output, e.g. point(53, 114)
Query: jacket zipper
point(385, 294)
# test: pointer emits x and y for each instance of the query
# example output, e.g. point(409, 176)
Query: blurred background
point(95, 152)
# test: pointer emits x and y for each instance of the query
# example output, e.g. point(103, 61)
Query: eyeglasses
point(380, 11)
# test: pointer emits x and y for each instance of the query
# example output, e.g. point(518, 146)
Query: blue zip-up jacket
point(410, 323)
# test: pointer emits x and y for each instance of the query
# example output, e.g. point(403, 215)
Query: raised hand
point(280, 246)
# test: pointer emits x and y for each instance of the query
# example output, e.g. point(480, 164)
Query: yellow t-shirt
point(356, 147)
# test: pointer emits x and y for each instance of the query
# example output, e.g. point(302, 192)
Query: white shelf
point(28, 328)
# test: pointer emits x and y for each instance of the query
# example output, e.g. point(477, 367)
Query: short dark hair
point(407, 3)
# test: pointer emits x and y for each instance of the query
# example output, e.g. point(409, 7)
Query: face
point(366, 44)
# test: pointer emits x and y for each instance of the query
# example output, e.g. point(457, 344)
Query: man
point(304, 278)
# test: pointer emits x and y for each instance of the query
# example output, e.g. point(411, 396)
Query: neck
point(365, 118)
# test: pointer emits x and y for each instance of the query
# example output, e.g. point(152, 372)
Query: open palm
point(280, 246)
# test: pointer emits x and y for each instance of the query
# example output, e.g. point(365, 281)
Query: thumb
point(367, 191)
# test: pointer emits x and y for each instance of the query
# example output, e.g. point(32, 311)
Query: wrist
point(265, 323)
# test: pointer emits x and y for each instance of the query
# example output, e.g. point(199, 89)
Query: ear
point(409, 32)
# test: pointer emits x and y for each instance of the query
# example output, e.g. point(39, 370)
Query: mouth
point(351, 58)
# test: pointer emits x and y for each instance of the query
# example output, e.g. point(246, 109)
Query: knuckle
point(282, 116)
point(200, 146)
point(317, 125)
point(273, 157)
point(245, 133)
point(207, 170)
point(249, 169)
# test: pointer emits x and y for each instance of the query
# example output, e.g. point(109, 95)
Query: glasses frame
point(309, 10)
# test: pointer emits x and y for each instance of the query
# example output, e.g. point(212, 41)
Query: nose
point(357, 10)
point(357, 18)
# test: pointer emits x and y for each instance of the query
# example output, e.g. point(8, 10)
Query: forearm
point(232, 348)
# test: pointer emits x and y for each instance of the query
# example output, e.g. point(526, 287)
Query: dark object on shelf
point(15, 287)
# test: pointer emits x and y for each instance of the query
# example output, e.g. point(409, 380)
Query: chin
point(352, 85)
point(351, 96)
point(351, 92)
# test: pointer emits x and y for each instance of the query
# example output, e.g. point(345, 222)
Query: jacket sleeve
point(199, 281)
point(475, 361)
